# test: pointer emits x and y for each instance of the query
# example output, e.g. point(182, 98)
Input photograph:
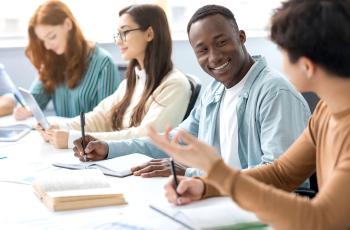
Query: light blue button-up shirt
point(271, 114)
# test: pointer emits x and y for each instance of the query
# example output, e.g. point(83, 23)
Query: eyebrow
point(124, 26)
point(198, 45)
point(49, 33)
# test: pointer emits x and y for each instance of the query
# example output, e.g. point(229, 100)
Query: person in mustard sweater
point(314, 38)
point(153, 92)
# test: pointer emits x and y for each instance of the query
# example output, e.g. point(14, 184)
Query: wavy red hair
point(57, 69)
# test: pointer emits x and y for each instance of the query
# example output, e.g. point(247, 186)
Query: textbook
point(118, 166)
point(13, 132)
point(68, 190)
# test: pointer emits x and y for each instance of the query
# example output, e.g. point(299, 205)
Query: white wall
point(23, 73)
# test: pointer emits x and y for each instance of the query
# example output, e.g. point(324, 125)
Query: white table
point(20, 208)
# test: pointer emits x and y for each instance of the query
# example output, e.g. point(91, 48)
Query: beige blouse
point(167, 107)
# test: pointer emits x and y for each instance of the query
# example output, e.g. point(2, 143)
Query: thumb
point(183, 186)
point(91, 146)
point(183, 200)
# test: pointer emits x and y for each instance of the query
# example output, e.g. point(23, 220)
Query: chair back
point(312, 101)
point(195, 89)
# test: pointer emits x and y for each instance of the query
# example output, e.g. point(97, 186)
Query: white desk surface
point(21, 209)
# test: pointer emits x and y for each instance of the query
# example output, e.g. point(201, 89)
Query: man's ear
point(150, 34)
point(242, 36)
point(68, 24)
point(308, 67)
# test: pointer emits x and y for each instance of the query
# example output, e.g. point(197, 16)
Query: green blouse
point(101, 80)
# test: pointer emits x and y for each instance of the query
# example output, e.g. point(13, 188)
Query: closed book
point(68, 190)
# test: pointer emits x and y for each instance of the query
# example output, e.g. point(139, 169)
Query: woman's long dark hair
point(157, 61)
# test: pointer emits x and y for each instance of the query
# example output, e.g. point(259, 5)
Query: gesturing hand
point(194, 153)
point(157, 168)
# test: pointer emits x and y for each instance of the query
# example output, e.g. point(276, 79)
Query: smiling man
point(249, 113)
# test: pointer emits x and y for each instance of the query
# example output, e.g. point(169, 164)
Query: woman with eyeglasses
point(153, 92)
point(74, 73)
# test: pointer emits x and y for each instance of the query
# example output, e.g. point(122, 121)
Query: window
point(98, 18)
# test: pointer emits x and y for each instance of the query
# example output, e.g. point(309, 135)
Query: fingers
point(21, 113)
point(81, 158)
point(78, 146)
point(42, 132)
point(92, 146)
point(161, 141)
point(167, 133)
point(170, 192)
point(183, 186)
point(151, 162)
point(78, 142)
point(157, 173)
point(182, 200)
point(96, 150)
point(185, 137)
point(153, 170)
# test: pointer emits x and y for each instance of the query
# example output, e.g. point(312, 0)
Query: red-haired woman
point(73, 72)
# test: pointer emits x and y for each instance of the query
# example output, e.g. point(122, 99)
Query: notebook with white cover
point(212, 213)
point(118, 167)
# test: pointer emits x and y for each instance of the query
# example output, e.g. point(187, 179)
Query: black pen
point(172, 167)
point(82, 125)
point(18, 100)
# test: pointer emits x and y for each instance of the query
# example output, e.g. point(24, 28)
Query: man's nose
point(215, 57)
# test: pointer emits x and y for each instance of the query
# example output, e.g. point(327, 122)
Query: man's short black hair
point(316, 29)
point(209, 10)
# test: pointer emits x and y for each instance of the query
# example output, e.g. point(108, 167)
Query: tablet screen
point(34, 108)
point(13, 133)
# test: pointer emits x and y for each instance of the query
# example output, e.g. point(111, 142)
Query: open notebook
point(119, 166)
point(213, 213)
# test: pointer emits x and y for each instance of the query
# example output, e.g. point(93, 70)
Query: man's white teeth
point(221, 67)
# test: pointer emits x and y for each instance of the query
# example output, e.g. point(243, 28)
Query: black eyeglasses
point(122, 34)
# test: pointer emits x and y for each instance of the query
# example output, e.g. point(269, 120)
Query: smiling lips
point(221, 68)
point(122, 50)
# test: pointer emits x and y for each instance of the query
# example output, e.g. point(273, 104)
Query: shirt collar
point(140, 74)
point(253, 73)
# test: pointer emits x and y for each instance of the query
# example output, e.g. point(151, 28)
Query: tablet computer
point(34, 108)
point(13, 132)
